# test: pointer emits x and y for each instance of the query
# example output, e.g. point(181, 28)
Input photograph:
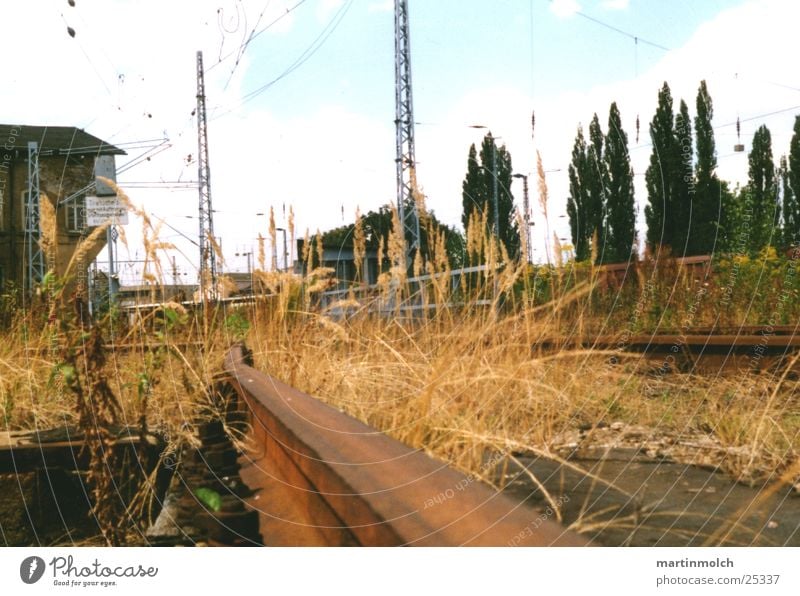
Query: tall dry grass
point(454, 378)
point(459, 376)
point(151, 372)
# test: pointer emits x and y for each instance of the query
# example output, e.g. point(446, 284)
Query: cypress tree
point(788, 202)
point(473, 189)
point(596, 177)
point(709, 214)
point(578, 202)
point(478, 192)
point(791, 224)
point(661, 174)
point(620, 213)
point(684, 182)
point(761, 191)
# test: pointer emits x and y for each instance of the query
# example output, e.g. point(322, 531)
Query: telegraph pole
point(526, 215)
point(208, 262)
point(33, 250)
point(404, 128)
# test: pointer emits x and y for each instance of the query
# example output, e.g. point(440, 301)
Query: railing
point(322, 477)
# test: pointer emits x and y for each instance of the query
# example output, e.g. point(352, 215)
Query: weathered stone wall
point(60, 177)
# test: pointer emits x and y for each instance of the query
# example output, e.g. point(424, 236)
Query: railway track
point(702, 350)
point(321, 477)
point(315, 476)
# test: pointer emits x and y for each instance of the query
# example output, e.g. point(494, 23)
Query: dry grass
point(460, 382)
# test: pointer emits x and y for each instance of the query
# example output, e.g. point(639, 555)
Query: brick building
point(68, 161)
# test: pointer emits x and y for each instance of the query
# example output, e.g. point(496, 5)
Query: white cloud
point(615, 4)
point(279, 17)
point(332, 157)
point(351, 156)
point(326, 8)
point(385, 6)
point(564, 8)
point(715, 52)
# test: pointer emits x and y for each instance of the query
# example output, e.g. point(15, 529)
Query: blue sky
point(321, 139)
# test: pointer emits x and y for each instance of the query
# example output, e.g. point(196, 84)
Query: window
point(76, 214)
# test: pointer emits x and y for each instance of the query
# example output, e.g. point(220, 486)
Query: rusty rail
point(698, 350)
point(781, 339)
point(323, 478)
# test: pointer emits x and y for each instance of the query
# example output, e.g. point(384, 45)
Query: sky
point(302, 114)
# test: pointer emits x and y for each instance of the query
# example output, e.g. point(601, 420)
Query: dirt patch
point(634, 486)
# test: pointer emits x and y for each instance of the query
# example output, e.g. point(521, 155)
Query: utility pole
point(495, 193)
point(526, 216)
point(404, 129)
point(33, 231)
point(111, 240)
point(208, 262)
point(285, 249)
point(175, 277)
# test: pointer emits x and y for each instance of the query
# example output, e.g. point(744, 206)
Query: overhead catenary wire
point(190, 119)
point(245, 44)
point(259, 32)
point(88, 58)
point(636, 38)
point(312, 49)
point(146, 156)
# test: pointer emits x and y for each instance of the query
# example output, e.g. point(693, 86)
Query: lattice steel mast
point(33, 232)
point(208, 261)
point(404, 126)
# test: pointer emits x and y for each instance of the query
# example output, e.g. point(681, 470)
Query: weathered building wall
point(60, 176)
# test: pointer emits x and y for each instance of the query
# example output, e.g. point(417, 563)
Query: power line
point(176, 230)
point(259, 32)
point(244, 45)
point(88, 59)
point(312, 49)
point(635, 38)
point(757, 116)
point(146, 156)
point(254, 35)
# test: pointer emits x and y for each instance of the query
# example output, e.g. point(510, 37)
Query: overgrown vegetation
point(452, 364)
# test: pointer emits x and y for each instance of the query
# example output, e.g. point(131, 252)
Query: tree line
point(689, 210)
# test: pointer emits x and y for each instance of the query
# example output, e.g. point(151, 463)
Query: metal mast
point(208, 262)
point(33, 250)
point(404, 125)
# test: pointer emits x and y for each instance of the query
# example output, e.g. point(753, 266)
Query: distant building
point(149, 293)
point(68, 161)
point(341, 258)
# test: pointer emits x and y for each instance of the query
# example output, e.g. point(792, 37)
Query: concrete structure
point(146, 294)
point(68, 160)
point(341, 258)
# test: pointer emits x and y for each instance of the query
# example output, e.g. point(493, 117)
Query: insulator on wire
point(637, 128)
point(71, 31)
point(533, 122)
point(738, 147)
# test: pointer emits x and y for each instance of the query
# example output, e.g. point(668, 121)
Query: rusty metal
point(656, 342)
point(700, 350)
point(23, 451)
point(322, 477)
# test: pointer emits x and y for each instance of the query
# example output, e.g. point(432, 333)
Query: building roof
point(58, 140)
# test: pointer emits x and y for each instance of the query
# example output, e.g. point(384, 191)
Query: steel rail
point(323, 477)
point(665, 341)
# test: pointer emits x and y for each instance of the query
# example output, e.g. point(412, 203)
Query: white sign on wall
point(99, 210)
